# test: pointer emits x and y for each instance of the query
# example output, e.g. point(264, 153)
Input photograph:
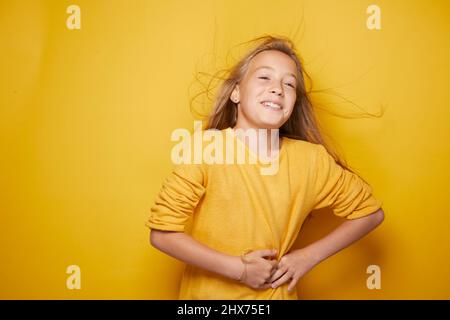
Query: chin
point(270, 125)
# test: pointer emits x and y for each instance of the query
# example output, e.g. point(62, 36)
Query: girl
point(245, 223)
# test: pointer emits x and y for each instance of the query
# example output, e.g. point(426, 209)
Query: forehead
point(274, 59)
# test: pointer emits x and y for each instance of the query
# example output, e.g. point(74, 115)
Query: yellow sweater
point(235, 208)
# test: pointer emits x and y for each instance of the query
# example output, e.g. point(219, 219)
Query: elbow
point(160, 238)
point(155, 238)
point(378, 217)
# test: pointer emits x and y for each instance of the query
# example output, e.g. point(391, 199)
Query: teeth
point(272, 105)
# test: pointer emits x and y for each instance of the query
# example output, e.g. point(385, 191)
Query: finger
point(272, 272)
point(265, 286)
point(292, 284)
point(266, 252)
point(282, 280)
point(279, 273)
point(274, 264)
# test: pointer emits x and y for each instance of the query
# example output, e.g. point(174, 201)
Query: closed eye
point(289, 84)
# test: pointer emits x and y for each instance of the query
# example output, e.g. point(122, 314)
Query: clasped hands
point(261, 271)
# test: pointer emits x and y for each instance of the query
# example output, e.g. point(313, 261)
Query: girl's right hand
point(259, 268)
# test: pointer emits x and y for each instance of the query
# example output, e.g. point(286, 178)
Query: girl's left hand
point(292, 266)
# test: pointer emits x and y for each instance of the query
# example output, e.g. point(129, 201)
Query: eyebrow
point(267, 67)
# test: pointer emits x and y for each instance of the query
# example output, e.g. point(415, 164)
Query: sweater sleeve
point(344, 191)
point(176, 201)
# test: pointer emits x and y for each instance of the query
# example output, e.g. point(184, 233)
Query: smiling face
point(267, 92)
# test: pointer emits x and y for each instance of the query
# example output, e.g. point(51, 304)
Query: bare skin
point(185, 248)
point(263, 273)
point(271, 76)
point(276, 83)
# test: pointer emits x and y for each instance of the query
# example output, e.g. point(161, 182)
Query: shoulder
point(303, 146)
point(315, 154)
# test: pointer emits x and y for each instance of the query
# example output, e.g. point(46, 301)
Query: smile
point(271, 106)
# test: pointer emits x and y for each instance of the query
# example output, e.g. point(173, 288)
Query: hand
point(292, 266)
point(259, 270)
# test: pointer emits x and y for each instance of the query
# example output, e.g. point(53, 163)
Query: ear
point(235, 96)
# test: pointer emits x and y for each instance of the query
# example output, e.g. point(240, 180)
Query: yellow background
point(86, 117)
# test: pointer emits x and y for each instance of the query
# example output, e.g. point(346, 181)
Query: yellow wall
point(86, 117)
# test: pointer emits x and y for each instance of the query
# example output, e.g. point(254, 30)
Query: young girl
point(244, 222)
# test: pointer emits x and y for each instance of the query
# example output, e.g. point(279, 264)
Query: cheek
point(251, 97)
point(254, 89)
point(291, 105)
point(287, 113)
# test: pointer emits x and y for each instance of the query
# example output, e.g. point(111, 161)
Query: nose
point(277, 90)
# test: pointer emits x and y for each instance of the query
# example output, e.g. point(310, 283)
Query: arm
point(173, 207)
point(298, 262)
point(258, 268)
point(344, 235)
point(185, 248)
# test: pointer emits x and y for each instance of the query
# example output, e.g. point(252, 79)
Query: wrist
point(234, 268)
point(312, 254)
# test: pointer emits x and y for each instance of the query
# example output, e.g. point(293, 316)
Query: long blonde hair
point(301, 125)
